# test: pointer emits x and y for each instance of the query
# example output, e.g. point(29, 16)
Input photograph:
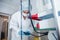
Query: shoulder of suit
point(17, 14)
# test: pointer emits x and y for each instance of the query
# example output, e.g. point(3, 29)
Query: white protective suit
point(15, 25)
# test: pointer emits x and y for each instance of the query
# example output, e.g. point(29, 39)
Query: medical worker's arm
point(30, 30)
point(13, 25)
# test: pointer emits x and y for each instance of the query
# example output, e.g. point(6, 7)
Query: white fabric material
point(15, 25)
point(25, 5)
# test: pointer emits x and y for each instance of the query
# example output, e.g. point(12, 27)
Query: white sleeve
point(13, 24)
point(30, 29)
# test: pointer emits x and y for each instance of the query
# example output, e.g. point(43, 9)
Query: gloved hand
point(24, 33)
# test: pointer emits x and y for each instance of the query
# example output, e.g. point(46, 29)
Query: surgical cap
point(25, 6)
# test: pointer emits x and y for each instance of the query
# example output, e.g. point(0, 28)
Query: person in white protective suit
point(15, 24)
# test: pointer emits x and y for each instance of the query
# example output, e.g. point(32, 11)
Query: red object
point(34, 17)
point(37, 25)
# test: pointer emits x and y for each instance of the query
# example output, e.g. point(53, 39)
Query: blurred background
point(9, 7)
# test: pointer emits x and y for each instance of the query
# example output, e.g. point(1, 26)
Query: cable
point(43, 33)
point(32, 22)
point(46, 33)
point(38, 36)
point(54, 36)
point(21, 19)
point(28, 33)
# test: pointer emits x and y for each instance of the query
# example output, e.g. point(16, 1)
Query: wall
point(9, 6)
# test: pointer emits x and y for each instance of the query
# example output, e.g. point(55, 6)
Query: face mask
point(26, 15)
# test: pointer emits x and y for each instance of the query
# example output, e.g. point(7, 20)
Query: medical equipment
point(43, 33)
point(32, 22)
point(21, 19)
point(56, 4)
point(44, 17)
